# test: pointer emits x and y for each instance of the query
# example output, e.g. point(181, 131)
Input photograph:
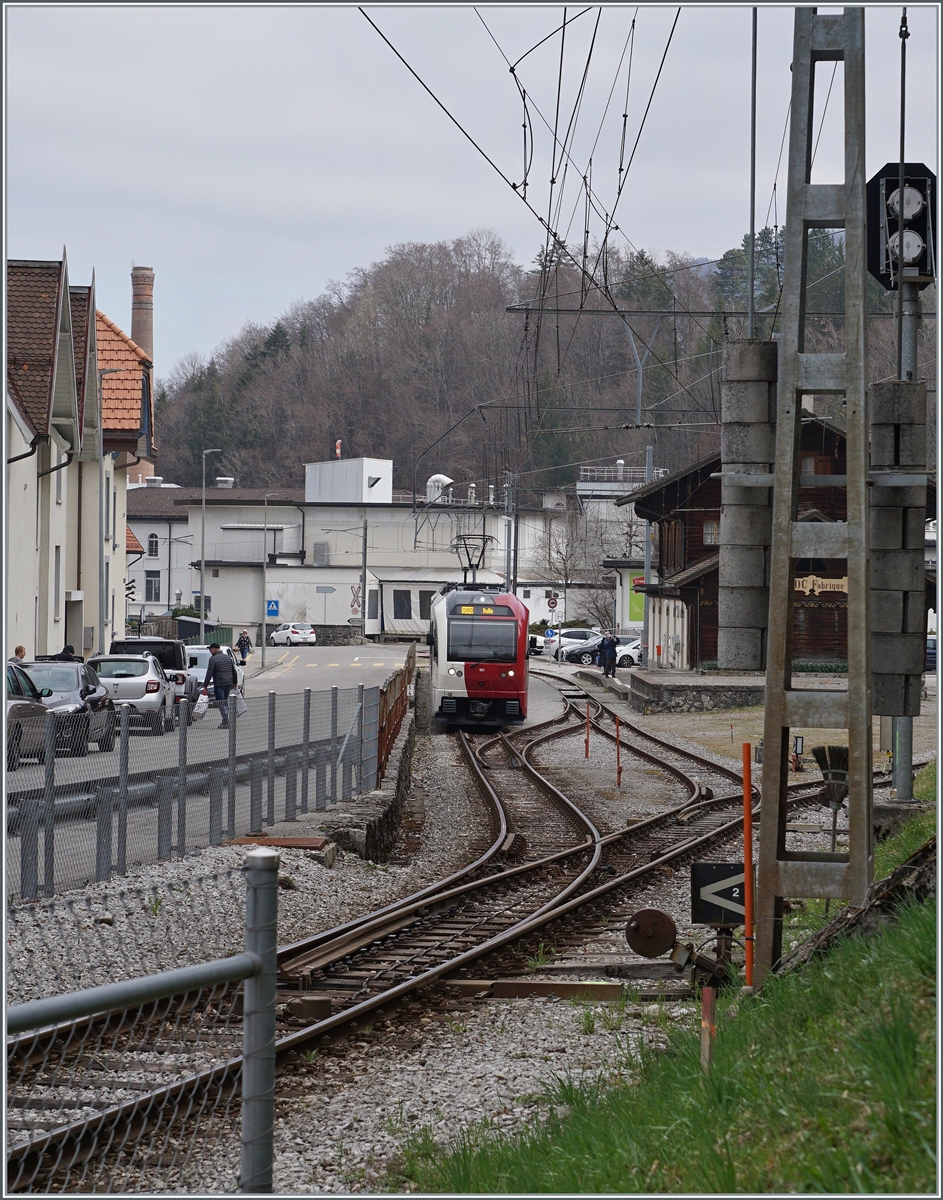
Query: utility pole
point(203, 549)
point(363, 585)
point(788, 872)
point(508, 527)
point(263, 637)
point(649, 472)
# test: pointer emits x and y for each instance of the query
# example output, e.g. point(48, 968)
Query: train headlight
point(511, 673)
point(451, 670)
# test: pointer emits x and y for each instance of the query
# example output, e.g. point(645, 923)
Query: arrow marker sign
point(717, 893)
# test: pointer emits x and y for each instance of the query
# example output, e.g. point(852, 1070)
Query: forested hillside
point(402, 350)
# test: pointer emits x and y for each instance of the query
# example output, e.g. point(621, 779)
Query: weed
point(287, 883)
point(154, 905)
point(612, 1017)
point(309, 1055)
point(544, 955)
point(588, 1020)
point(457, 1026)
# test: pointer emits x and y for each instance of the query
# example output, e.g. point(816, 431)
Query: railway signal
point(717, 893)
point(901, 239)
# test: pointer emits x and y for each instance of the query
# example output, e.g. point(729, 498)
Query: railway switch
point(652, 933)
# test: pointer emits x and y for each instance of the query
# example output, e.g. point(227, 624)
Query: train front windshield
point(482, 641)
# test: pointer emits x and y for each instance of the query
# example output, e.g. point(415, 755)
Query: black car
point(83, 707)
point(585, 652)
point(929, 662)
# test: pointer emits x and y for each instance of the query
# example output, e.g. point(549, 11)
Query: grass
point(824, 1082)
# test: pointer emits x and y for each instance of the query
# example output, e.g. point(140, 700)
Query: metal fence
point(74, 818)
point(132, 1086)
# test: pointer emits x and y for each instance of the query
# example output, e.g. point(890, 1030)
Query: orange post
point(618, 756)
point(587, 729)
point(708, 1026)
point(748, 860)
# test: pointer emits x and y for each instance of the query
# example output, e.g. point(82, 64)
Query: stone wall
point(649, 697)
point(368, 825)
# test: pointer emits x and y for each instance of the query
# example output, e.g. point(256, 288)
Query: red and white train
point(479, 646)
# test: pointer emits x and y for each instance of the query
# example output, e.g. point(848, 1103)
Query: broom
point(833, 763)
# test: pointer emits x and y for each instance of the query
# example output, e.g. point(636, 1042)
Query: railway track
point(547, 865)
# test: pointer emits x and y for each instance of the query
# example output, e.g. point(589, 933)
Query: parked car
point(567, 638)
point(293, 634)
point(929, 662)
point(171, 653)
point(77, 695)
point(585, 652)
point(198, 659)
point(138, 681)
point(26, 717)
point(630, 651)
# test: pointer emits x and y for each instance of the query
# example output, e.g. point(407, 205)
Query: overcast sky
point(252, 154)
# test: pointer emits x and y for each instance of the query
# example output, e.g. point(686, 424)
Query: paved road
point(294, 668)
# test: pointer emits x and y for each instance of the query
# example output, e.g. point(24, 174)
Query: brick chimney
point(142, 309)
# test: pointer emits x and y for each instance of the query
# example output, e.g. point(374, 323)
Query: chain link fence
point(79, 812)
point(122, 1086)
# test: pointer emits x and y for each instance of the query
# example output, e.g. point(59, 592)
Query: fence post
point(305, 750)
point(184, 722)
point(320, 778)
point(369, 747)
point(270, 815)
point(258, 1045)
point(255, 796)
point(124, 738)
point(216, 806)
point(333, 745)
point(231, 799)
point(29, 848)
point(291, 786)
point(104, 806)
point(49, 807)
point(165, 816)
point(358, 758)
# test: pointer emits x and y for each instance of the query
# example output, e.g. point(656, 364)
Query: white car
point(566, 639)
point(295, 633)
point(630, 653)
point(198, 659)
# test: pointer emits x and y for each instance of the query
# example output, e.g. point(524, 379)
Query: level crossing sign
point(717, 893)
point(271, 608)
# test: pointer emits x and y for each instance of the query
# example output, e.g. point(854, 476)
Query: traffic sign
point(717, 893)
point(885, 227)
point(325, 589)
point(271, 608)
point(550, 634)
point(551, 603)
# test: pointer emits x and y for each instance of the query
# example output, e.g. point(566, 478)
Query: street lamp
point(265, 574)
point(217, 450)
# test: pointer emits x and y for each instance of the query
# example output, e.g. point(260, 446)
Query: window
point(482, 641)
point(548, 595)
point(673, 544)
point(526, 593)
point(425, 605)
point(711, 533)
point(215, 572)
point(57, 583)
point(402, 605)
point(152, 587)
point(373, 605)
point(152, 545)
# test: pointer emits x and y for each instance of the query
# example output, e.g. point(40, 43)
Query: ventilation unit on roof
point(224, 481)
point(154, 481)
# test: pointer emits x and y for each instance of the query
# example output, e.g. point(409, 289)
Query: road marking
point(380, 664)
point(283, 657)
point(333, 664)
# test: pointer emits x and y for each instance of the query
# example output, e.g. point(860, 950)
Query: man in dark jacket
point(67, 654)
point(610, 648)
point(221, 673)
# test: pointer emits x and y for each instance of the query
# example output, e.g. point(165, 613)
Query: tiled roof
point(79, 301)
point(131, 543)
point(157, 503)
point(121, 392)
point(32, 318)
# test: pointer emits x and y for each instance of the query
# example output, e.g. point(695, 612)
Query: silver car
point(198, 659)
point(138, 682)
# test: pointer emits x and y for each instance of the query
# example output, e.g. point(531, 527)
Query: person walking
point(610, 648)
point(221, 673)
point(244, 645)
point(19, 655)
